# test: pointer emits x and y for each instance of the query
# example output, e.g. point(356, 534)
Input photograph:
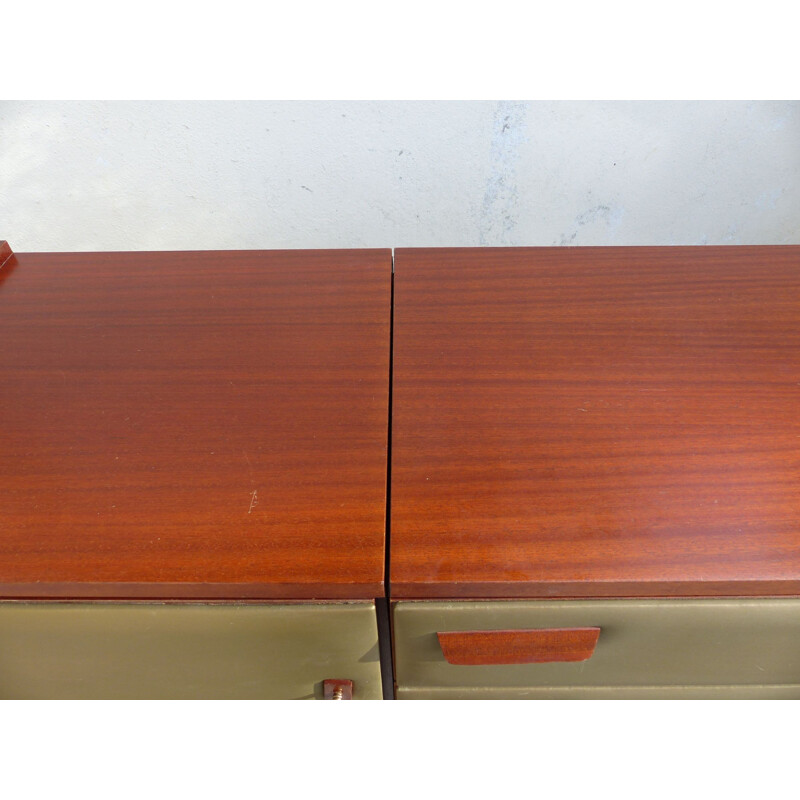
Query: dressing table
point(590, 459)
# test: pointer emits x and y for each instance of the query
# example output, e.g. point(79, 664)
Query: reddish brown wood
point(194, 425)
point(518, 647)
point(596, 422)
point(337, 689)
point(5, 253)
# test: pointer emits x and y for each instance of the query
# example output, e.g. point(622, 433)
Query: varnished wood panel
point(539, 646)
point(596, 422)
point(194, 424)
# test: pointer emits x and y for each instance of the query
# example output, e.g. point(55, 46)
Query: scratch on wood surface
point(249, 465)
point(253, 501)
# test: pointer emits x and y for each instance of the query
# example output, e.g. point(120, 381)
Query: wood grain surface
point(596, 422)
point(540, 646)
point(194, 425)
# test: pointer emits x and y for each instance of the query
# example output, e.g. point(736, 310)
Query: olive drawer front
point(735, 648)
point(186, 651)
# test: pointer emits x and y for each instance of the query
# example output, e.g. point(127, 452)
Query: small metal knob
point(337, 689)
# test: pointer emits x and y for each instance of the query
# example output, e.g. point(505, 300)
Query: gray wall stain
point(499, 210)
point(607, 216)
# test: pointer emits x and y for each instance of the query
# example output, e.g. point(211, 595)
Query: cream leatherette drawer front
point(646, 648)
point(184, 651)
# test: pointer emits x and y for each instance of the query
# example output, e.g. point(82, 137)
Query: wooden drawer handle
point(518, 647)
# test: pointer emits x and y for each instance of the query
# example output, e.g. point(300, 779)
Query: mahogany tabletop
point(194, 424)
point(596, 422)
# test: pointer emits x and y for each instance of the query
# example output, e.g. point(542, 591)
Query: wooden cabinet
point(578, 429)
point(595, 462)
point(206, 426)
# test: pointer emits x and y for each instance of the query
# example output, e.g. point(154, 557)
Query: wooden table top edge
point(593, 590)
point(401, 251)
point(223, 592)
point(367, 252)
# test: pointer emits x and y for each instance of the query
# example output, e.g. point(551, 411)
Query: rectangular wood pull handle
point(518, 647)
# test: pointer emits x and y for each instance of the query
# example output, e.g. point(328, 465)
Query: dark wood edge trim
point(592, 591)
point(190, 591)
point(67, 601)
point(537, 646)
point(5, 252)
point(385, 654)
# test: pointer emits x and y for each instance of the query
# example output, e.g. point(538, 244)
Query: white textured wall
point(119, 176)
